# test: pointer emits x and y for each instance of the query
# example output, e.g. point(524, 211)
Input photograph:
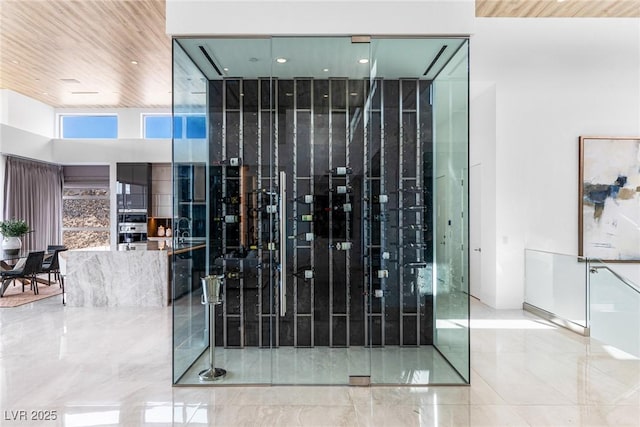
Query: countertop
point(160, 245)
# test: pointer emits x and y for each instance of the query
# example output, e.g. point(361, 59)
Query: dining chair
point(29, 271)
point(51, 264)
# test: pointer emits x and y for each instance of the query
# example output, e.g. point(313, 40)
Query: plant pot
point(11, 245)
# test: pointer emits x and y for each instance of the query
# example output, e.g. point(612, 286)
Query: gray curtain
point(33, 193)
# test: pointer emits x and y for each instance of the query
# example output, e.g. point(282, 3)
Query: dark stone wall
point(378, 292)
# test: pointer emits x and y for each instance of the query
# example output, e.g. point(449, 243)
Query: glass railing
point(557, 284)
point(585, 292)
point(614, 308)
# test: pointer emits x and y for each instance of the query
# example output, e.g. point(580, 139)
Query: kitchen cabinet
point(161, 191)
point(134, 181)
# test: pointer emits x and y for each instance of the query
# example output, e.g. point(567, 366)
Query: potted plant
point(11, 231)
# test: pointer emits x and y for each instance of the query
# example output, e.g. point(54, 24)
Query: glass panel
point(319, 201)
point(558, 284)
point(400, 220)
point(450, 236)
point(242, 201)
point(614, 311)
point(189, 259)
point(320, 144)
point(196, 126)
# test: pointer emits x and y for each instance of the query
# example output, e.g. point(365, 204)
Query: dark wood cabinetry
point(134, 184)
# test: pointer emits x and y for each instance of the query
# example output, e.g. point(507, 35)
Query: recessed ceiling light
point(134, 62)
point(289, 94)
point(84, 93)
point(354, 94)
point(326, 70)
point(45, 93)
point(363, 61)
point(325, 96)
point(281, 60)
point(15, 61)
point(225, 69)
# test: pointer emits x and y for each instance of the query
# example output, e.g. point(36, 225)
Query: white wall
point(26, 126)
point(482, 146)
point(313, 17)
point(21, 112)
point(553, 80)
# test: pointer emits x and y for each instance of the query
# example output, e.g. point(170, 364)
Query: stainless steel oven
point(132, 215)
point(132, 232)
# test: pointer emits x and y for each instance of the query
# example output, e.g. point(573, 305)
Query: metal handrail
point(595, 268)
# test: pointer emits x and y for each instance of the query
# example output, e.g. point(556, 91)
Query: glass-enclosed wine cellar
point(329, 199)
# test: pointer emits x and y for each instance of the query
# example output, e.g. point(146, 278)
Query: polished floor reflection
point(112, 367)
point(324, 365)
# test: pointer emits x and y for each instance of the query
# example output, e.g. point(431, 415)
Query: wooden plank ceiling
point(63, 51)
point(558, 8)
point(79, 53)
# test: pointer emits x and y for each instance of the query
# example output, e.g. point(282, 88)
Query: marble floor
point(72, 366)
point(327, 366)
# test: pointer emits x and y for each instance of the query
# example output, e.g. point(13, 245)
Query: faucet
point(181, 231)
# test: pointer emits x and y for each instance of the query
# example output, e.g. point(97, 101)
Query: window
point(158, 126)
point(89, 127)
point(196, 127)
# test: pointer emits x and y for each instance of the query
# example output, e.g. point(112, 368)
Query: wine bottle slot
point(382, 198)
point(307, 237)
point(229, 219)
point(342, 170)
point(341, 246)
point(342, 189)
point(307, 198)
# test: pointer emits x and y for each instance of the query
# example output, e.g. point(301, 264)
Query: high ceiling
point(115, 53)
point(79, 53)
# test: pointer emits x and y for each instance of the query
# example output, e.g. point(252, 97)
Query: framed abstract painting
point(609, 205)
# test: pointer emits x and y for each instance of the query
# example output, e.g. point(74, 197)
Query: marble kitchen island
point(106, 278)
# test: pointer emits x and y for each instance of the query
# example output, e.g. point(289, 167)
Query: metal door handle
point(478, 249)
point(283, 243)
